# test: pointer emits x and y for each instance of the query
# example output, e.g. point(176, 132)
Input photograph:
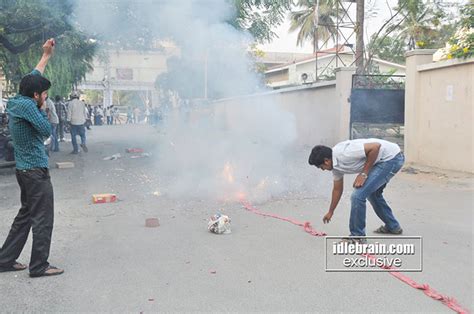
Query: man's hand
point(48, 47)
point(44, 107)
point(359, 181)
point(327, 217)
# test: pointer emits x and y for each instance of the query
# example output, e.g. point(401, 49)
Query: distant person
point(77, 116)
point(62, 116)
point(375, 162)
point(89, 117)
point(129, 116)
point(54, 120)
point(116, 116)
point(147, 115)
point(108, 115)
point(29, 127)
point(100, 115)
point(136, 115)
point(96, 116)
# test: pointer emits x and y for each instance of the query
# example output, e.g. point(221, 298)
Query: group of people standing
point(151, 116)
point(74, 115)
point(111, 114)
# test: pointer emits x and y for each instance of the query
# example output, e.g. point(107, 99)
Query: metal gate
point(378, 107)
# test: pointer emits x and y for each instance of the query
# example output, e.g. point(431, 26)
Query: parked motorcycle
point(7, 157)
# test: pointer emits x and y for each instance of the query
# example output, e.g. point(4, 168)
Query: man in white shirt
point(77, 116)
point(376, 162)
point(54, 120)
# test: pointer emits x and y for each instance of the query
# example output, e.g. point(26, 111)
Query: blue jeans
point(54, 137)
point(78, 130)
point(377, 180)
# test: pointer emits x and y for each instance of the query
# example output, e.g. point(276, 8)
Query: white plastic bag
point(219, 224)
point(113, 157)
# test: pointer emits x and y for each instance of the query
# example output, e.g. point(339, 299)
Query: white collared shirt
point(349, 157)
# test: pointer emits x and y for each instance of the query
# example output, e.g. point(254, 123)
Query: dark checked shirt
point(29, 127)
point(60, 111)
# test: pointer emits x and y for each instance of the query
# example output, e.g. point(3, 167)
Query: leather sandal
point(15, 267)
point(385, 230)
point(50, 271)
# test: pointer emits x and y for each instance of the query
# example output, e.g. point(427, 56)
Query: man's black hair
point(31, 84)
point(318, 154)
point(57, 98)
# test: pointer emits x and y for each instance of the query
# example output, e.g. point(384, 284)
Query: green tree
point(388, 48)
point(72, 60)
point(304, 19)
point(420, 22)
point(94, 97)
point(260, 17)
point(25, 25)
point(414, 24)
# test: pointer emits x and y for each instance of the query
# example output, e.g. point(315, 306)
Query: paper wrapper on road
point(219, 224)
point(65, 165)
point(103, 198)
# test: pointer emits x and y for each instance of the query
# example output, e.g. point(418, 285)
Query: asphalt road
point(113, 263)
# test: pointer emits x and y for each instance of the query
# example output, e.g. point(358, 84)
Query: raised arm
point(48, 49)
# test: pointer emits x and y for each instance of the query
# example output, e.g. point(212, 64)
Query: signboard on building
point(125, 74)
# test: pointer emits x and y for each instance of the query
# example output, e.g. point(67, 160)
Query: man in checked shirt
point(29, 126)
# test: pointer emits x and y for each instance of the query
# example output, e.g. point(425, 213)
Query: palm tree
point(420, 18)
point(304, 20)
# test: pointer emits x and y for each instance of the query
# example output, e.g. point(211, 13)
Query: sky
point(377, 12)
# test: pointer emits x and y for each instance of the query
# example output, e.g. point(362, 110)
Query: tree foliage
point(388, 48)
point(25, 25)
point(414, 24)
point(260, 17)
point(303, 19)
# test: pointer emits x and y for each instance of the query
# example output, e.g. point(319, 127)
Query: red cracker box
point(134, 150)
point(103, 198)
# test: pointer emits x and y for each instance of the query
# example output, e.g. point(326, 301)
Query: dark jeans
point(78, 130)
point(36, 212)
point(60, 131)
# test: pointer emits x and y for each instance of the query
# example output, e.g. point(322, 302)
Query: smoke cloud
point(208, 149)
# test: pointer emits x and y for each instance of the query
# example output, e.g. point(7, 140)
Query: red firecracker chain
point(448, 301)
point(306, 225)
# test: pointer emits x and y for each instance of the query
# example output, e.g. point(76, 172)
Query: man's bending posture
point(376, 162)
point(29, 127)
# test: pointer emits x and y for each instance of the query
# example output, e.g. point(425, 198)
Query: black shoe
point(84, 148)
point(74, 152)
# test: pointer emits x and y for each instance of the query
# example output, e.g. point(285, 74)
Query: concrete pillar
point(414, 58)
point(107, 98)
point(343, 94)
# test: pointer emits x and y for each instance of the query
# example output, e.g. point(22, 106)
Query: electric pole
point(360, 37)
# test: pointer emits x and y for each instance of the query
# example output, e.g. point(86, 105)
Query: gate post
point(343, 94)
point(414, 58)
